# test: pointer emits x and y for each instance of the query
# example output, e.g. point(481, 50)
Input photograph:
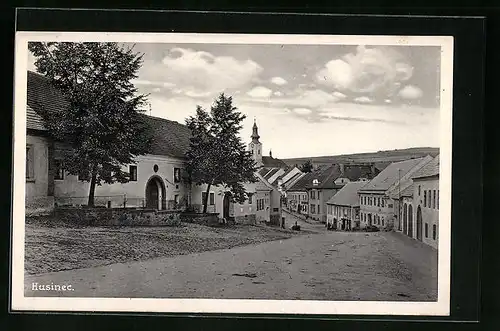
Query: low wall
point(116, 217)
point(210, 219)
point(36, 206)
point(247, 219)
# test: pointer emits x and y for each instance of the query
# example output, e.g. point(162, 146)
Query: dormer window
point(315, 182)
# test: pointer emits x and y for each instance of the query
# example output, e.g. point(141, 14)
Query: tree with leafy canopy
point(306, 166)
point(216, 154)
point(102, 125)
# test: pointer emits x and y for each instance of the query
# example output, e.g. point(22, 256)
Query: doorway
point(225, 205)
point(419, 223)
point(155, 193)
point(410, 221)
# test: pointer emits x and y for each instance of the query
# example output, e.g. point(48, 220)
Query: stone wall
point(209, 219)
point(116, 217)
point(275, 219)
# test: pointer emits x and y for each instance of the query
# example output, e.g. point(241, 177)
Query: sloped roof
point(347, 195)
point(270, 173)
point(33, 120)
point(408, 192)
point(354, 172)
point(264, 171)
point(429, 170)
point(271, 162)
point(390, 175)
point(169, 138)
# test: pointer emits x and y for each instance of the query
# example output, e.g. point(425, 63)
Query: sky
point(307, 100)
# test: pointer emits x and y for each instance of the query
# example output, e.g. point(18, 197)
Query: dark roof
point(390, 175)
point(33, 120)
point(263, 171)
point(42, 97)
point(169, 138)
point(429, 170)
point(271, 162)
point(347, 195)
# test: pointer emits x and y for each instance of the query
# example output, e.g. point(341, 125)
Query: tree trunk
point(92, 189)
point(205, 203)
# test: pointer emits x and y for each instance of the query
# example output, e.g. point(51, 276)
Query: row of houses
point(403, 197)
point(155, 178)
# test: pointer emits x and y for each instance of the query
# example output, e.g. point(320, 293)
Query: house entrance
point(410, 221)
point(405, 219)
point(419, 223)
point(155, 193)
point(225, 205)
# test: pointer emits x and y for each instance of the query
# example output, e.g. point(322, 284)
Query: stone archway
point(155, 193)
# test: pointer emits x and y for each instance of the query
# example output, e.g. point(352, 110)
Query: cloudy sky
point(307, 100)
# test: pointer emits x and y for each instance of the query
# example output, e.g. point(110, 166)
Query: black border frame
point(467, 196)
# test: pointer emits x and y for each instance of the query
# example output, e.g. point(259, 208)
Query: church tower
point(255, 145)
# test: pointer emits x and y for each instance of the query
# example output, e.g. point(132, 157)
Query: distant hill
point(381, 158)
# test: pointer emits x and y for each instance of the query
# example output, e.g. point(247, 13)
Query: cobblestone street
point(326, 265)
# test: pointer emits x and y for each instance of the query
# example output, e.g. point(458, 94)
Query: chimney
point(342, 168)
point(372, 169)
point(270, 153)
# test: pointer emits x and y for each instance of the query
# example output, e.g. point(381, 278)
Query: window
point(429, 197)
point(437, 198)
point(425, 198)
point(318, 209)
point(58, 170)
point(378, 202)
point(132, 170)
point(177, 175)
point(313, 196)
point(176, 199)
point(250, 198)
point(318, 194)
point(434, 232)
point(313, 209)
point(418, 190)
point(30, 162)
point(434, 199)
point(212, 199)
point(383, 203)
point(275, 210)
point(203, 197)
point(426, 230)
point(383, 221)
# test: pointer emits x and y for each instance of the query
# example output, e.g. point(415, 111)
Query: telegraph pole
point(399, 197)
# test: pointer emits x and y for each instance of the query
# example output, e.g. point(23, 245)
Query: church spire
point(255, 133)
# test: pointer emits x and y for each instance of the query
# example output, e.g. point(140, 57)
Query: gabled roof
point(347, 195)
point(261, 180)
point(391, 174)
point(270, 173)
point(263, 171)
point(169, 138)
point(271, 162)
point(429, 170)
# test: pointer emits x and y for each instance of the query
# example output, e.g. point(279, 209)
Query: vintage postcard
point(228, 173)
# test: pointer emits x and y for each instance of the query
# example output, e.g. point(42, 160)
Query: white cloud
point(410, 92)
point(260, 92)
point(339, 95)
point(150, 83)
point(367, 70)
point(278, 94)
point(157, 89)
point(363, 99)
point(302, 111)
point(200, 73)
point(278, 81)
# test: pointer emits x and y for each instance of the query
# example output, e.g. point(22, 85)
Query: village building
point(343, 207)
point(313, 190)
point(426, 204)
point(156, 178)
point(377, 208)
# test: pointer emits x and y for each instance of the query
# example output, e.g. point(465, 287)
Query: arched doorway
point(410, 221)
point(155, 193)
point(419, 223)
point(225, 205)
point(405, 219)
